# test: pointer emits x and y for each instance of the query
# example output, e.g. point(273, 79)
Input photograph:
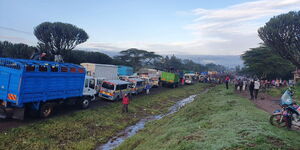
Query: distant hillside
point(225, 60)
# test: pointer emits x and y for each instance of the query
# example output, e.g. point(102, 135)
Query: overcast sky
point(213, 27)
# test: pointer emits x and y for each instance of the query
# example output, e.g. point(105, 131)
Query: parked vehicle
point(114, 89)
point(125, 71)
point(189, 79)
point(151, 74)
point(38, 86)
point(137, 85)
point(169, 79)
point(101, 71)
point(288, 114)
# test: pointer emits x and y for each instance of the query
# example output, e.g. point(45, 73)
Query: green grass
point(87, 129)
point(216, 120)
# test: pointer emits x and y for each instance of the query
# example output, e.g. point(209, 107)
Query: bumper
point(15, 113)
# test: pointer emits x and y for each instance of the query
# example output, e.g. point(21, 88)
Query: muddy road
point(60, 110)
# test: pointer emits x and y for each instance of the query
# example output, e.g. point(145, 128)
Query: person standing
point(227, 81)
point(251, 89)
point(148, 87)
point(256, 88)
point(125, 102)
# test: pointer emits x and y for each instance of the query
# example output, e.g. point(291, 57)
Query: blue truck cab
point(39, 85)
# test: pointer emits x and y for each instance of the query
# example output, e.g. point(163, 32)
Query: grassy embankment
point(219, 119)
point(277, 92)
point(88, 128)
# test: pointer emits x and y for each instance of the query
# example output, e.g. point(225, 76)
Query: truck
point(150, 74)
point(37, 86)
point(169, 79)
point(125, 70)
point(101, 71)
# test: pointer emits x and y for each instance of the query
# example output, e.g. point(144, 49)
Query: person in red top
point(227, 81)
point(125, 102)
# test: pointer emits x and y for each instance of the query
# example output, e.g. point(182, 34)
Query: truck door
point(4, 79)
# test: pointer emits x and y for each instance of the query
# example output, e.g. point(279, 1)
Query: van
point(114, 89)
point(137, 86)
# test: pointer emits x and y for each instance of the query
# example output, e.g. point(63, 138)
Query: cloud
point(226, 31)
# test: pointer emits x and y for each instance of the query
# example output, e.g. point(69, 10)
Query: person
point(251, 89)
point(256, 88)
point(244, 84)
point(37, 55)
point(240, 85)
point(148, 87)
point(125, 102)
point(227, 81)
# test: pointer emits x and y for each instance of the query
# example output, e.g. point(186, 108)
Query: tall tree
point(282, 35)
point(262, 63)
point(59, 38)
point(136, 58)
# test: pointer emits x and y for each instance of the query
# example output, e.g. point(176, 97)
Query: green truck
point(168, 79)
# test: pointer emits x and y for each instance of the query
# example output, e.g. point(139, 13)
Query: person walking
point(256, 88)
point(125, 102)
point(227, 81)
point(251, 89)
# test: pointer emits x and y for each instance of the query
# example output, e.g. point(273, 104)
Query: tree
point(262, 63)
point(137, 58)
point(282, 35)
point(19, 50)
point(59, 38)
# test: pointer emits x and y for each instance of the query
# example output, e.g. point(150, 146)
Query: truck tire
point(46, 110)
point(85, 103)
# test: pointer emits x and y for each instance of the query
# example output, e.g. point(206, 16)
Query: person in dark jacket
point(251, 89)
point(125, 102)
point(227, 81)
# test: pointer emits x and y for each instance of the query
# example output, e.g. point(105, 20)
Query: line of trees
point(279, 55)
point(132, 57)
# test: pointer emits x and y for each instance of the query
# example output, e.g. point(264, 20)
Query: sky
point(187, 27)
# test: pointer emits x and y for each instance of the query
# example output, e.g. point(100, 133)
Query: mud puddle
point(132, 130)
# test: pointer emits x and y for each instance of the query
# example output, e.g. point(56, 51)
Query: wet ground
point(132, 130)
point(264, 101)
point(64, 110)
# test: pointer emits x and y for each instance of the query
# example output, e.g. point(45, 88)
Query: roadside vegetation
point(219, 119)
point(90, 128)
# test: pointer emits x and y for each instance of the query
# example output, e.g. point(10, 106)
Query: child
point(125, 102)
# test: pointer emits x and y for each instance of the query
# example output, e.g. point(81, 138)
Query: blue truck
point(37, 86)
point(125, 71)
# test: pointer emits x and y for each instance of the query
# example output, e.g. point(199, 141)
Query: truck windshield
point(108, 86)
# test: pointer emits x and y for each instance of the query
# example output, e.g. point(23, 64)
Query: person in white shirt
point(256, 88)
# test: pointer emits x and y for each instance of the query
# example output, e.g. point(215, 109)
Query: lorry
point(125, 70)
point(169, 79)
point(37, 86)
point(101, 71)
point(150, 74)
point(114, 89)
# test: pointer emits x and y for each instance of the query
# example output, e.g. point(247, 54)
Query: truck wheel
point(46, 110)
point(85, 103)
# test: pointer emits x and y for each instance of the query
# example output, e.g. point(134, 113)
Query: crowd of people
point(256, 85)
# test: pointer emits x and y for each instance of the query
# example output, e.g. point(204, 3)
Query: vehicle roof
point(103, 65)
point(24, 62)
point(136, 79)
point(117, 81)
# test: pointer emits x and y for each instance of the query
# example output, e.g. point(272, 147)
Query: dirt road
point(264, 101)
point(63, 110)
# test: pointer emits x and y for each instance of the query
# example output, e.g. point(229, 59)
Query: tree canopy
point(282, 35)
point(261, 62)
point(56, 37)
point(8, 49)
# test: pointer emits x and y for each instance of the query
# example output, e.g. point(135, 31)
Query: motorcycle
point(289, 114)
